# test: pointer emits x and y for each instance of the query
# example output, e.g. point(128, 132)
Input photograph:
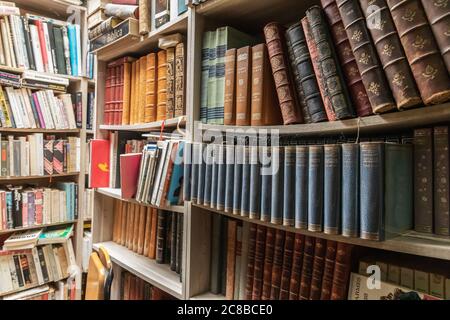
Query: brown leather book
point(243, 85)
point(170, 76)
point(280, 69)
point(352, 75)
point(142, 224)
point(373, 77)
point(142, 84)
point(130, 226)
point(328, 270)
point(392, 56)
point(133, 92)
point(137, 92)
point(259, 262)
point(318, 266)
point(180, 89)
point(263, 110)
point(297, 263)
point(438, 14)
point(150, 89)
point(123, 224)
point(441, 181)
point(426, 62)
point(147, 230)
point(119, 103)
point(126, 93)
point(126, 286)
point(116, 221)
point(308, 258)
point(152, 247)
point(277, 267)
point(251, 262)
point(335, 88)
point(342, 270)
point(268, 263)
point(231, 259)
point(132, 294)
point(161, 100)
point(161, 235)
point(137, 209)
point(288, 257)
point(229, 116)
point(144, 17)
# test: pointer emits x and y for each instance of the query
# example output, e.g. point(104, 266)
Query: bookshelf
point(38, 226)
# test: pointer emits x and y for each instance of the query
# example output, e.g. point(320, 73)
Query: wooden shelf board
point(209, 296)
point(116, 194)
point(170, 123)
point(391, 121)
point(156, 274)
point(8, 179)
point(11, 69)
point(54, 8)
point(426, 246)
point(39, 130)
point(37, 226)
point(90, 132)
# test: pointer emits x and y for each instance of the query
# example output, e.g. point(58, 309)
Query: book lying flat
point(56, 235)
point(22, 240)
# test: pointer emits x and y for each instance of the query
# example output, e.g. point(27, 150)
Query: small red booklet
point(99, 175)
point(130, 164)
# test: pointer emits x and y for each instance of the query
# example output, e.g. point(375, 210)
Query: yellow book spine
point(133, 92)
point(162, 86)
point(126, 93)
point(142, 74)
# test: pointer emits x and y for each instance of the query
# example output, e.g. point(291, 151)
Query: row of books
point(148, 89)
point(90, 111)
point(22, 269)
point(329, 66)
point(32, 155)
point(39, 43)
point(61, 290)
point(22, 108)
point(134, 288)
point(153, 233)
point(86, 250)
point(253, 262)
point(26, 206)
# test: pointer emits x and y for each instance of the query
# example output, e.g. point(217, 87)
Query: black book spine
point(179, 244)
point(266, 183)
point(173, 242)
point(187, 180)
point(28, 47)
point(277, 185)
point(161, 237)
point(223, 253)
point(51, 36)
point(255, 184)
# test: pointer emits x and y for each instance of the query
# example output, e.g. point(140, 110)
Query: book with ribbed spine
point(170, 107)
point(277, 185)
point(268, 263)
point(161, 100)
point(180, 79)
point(243, 85)
point(332, 188)
point(307, 268)
point(288, 256)
point(277, 267)
point(230, 87)
point(350, 189)
point(341, 272)
point(251, 261)
point(231, 258)
point(150, 89)
point(328, 270)
point(317, 269)
point(289, 186)
point(441, 180)
point(315, 188)
point(258, 264)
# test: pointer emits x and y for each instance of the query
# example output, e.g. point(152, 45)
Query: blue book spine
point(73, 49)
point(332, 189)
point(315, 189)
point(266, 183)
point(187, 171)
point(289, 186)
point(9, 210)
point(301, 187)
point(229, 180)
point(182, 8)
point(245, 195)
point(195, 164)
point(201, 175)
point(372, 189)
point(221, 176)
point(30, 209)
point(176, 182)
point(208, 173)
point(350, 189)
point(255, 184)
point(237, 183)
point(214, 176)
point(277, 185)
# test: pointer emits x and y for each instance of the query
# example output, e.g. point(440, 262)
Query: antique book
point(328, 270)
point(277, 267)
point(258, 263)
point(141, 230)
point(255, 183)
point(372, 74)
point(231, 258)
point(350, 189)
point(229, 115)
point(307, 268)
point(144, 17)
point(251, 261)
point(161, 100)
point(229, 179)
point(126, 93)
point(441, 181)
point(297, 263)
point(332, 77)
point(317, 269)
point(282, 78)
point(215, 275)
point(170, 83)
point(277, 185)
point(243, 85)
point(332, 188)
point(391, 54)
point(150, 89)
point(180, 90)
point(161, 236)
point(289, 186)
point(173, 241)
point(221, 176)
point(142, 85)
point(315, 188)
point(301, 186)
point(352, 75)
point(147, 230)
point(308, 82)
point(342, 268)
point(206, 46)
point(268, 263)
point(266, 183)
point(432, 77)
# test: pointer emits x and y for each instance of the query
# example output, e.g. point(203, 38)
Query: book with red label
point(129, 168)
point(99, 172)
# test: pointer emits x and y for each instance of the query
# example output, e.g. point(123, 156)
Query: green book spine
point(221, 48)
point(205, 76)
point(212, 84)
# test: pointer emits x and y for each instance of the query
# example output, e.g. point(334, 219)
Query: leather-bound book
point(288, 256)
point(108, 95)
point(251, 262)
point(142, 84)
point(150, 89)
point(307, 268)
point(116, 221)
point(328, 270)
point(283, 80)
point(133, 92)
point(144, 17)
point(334, 83)
point(423, 180)
point(147, 231)
point(258, 270)
point(161, 100)
point(289, 186)
point(263, 95)
point(266, 183)
point(432, 77)
point(153, 235)
point(297, 264)
point(161, 237)
point(229, 116)
point(301, 186)
point(130, 226)
point(318, 266)
point(350, 189)
point(173, 241)
point(229, 177)
point(137, 92)
point(301, 62)
point(180, 90)
point(332, 188)
point(373, 77)
point(347, 59)
point(315, 188)
point(120, 102)
point(441, 180)
point(215, 274)
point(391, 54)
point(126, 93)
point(243, 85)
point(124, 221)
point(141, 234)
point(170, 76)
point(277, 267)
point(438, 14)
point(179, 244)
point(277, 185)
point(341, 272)
point(268, 263)
point(137, 217)
point(255, 183)
point(231, 258)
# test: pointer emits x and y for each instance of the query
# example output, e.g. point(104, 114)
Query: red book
point(38, 205)
point(129, 173)
point(112, 105)
point(99, 173)
point(40, 28)
point(118, 118)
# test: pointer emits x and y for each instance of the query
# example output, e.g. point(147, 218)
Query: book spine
point(230, 86)
point(161, 97)
point(315, 188)
point(350, 189)
point(289, 186)
point(288, 255)
point(255, 184)
point(266, 183)
point(221, 178)
point(170, 107)
point(243, 85)
point(277, 185)
point(268, 263)
point(297, 263)
point(221, 47)
point(161, 236)
point(277, 267)
point(328, 270)
point(187, 172)
point(318, 266)
point(180, 90)
point(209, 156)
point(251, 261)
point(332, 189)
point(229, 179)
point(341, 272)
point(258, 263)
point(237, 183)
point(211, 104)
point(196, 157)
point(245, 193)
point(173, 241)
point(214, 176)
point(207, 36)
point(231, 258)
point(301, 187)
point(201, 175)
point(307, 268)
point(441, 180)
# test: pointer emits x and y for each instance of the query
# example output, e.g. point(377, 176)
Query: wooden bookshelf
point(28, 288)
point(40, 130)
point(38, 226)
point(145, 127)
point(52, 8)
point(30, 178)
point(209, 296)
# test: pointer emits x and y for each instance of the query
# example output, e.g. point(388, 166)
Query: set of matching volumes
point(38, 43)
point(22, 108)
point(134, 288)
point(34, 155)
point(151, 88)
point(264, 263)
point(431, 180)
point(22, 206)
point(153, 233)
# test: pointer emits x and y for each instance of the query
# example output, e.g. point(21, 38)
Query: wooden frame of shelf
point(40, 130)
point(145, 127)
point(26, 178)
point(39, 226)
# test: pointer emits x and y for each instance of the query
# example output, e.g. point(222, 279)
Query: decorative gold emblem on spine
point(409, 15)
point(419, 42)
point(357, 35)
point(388, 49)
point(364, 58)
point(374, 88)
point(441, 3)
point(430, 72)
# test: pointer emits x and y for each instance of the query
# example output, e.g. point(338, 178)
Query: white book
point(6, 284)
point(23, 156)
point(14, 32)
point(70, 254)
point(47, 205)
point(62, 206)
point(26, 93)
point(57, 22)
point(22, 45)
point(37, 264)
point(39, 146)
point(57, 261)
point(44, 77)
point(78, 155)
point(164, 173)
point(8, 10)
point(48, 48)
point(14, 107)
point(10, 42)
point(57, 109)
point(78, 36)
point(36, 48)
point(5, 42)
point(49, 124)
point(62, 107)
point(22, 108)
point(159, 170)
point(55, 206)
point(11, 151)
point(67, 101)
point(66, 49)
point(48, 96)
point(2, 49)
point(13, 272)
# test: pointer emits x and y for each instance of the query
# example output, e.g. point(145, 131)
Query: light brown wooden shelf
point(145, 127)
point(52, 8)
point(208, 296)
point(39, 130)
point(39, 226)
point(26, 178)
point(410, 242)
point(22, 70)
